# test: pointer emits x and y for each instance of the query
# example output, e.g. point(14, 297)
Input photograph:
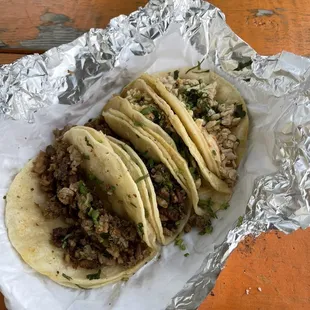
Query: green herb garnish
point(151, 163)
point(82, 188)
point(198, 66)
point(88, 143)
point(207, 205)
point(66, 277)
point(176, 74)
point(141, 178)
point(180, 243)
point(203, 71)
point(239, 112)
point(4, 197)
point(147, 110)
point(213, 152)
point(94, 214)
point(140, 229)
point(224, 206)
point(240, 220)
point(208, 230)
point(186, 254)
point(94, 276)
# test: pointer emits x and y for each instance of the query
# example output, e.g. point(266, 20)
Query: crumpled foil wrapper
point(276, 89)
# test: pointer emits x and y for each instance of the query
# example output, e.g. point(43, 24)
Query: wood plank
point(6, 58)
point(268, 26)
point(46, 23)
point(274, 268)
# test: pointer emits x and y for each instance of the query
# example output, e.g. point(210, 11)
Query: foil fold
point(62, 75)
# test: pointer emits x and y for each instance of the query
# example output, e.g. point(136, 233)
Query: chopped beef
point(95, 236)
point(169, 195)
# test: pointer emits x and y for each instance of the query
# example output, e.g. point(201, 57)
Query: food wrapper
point(71, 83)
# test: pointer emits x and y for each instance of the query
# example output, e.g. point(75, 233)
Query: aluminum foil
point(275, 171)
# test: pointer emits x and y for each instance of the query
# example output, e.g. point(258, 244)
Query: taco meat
point(94, 236)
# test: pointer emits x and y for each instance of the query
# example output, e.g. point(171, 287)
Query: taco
point(209, 107)
point(213, 113)
point(146, 108)
point(75, 214)
point(170, 199)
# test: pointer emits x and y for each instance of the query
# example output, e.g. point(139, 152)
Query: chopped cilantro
point(94, 214)
point(140, 229)
point(82, 188)
point(125, 279)
point(240, 220)
point(4, 197)
point(204, 71)
point(151, 163)
point(224, 206)
point(88, 143)
point(213, 152)
point(239, 112)
point(141, 178)
point(198, 66)
point(177, 223)
point(94, 276)
point(186, 254)
point(147, 110)
point(176, 74)
point(180, 243)
point(66, 277)
point(207, 230)
point(85, 156)
point(207, 206)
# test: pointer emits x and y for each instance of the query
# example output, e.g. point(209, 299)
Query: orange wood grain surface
point(269, 27)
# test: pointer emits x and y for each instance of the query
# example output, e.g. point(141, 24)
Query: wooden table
point(269, 27)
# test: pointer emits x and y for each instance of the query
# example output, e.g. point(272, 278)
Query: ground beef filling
point(171, 198)
point(94, 237)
